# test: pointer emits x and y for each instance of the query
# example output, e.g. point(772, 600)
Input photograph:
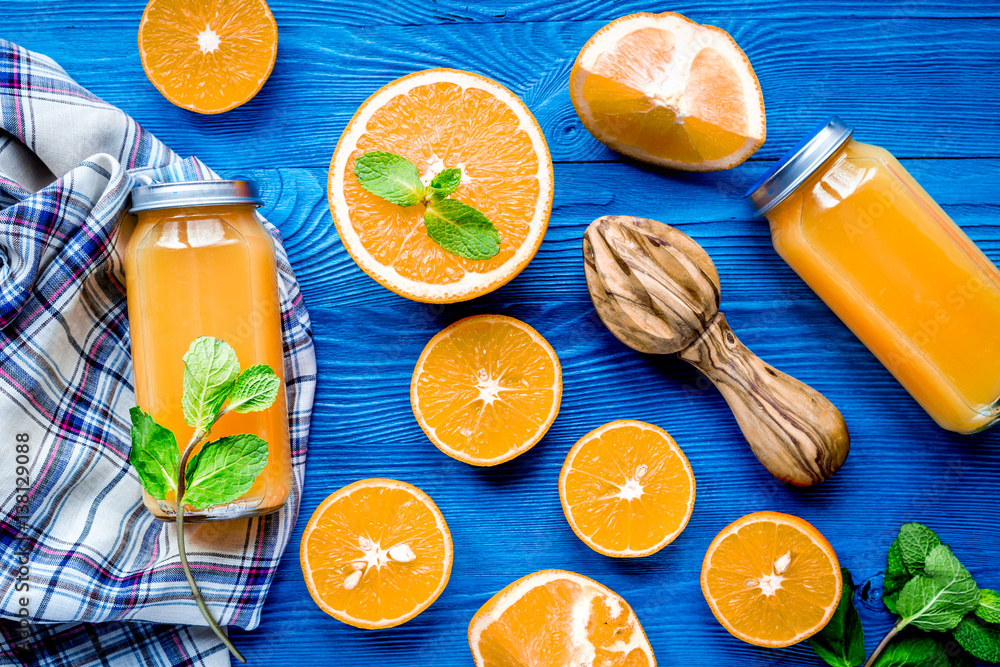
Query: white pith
point(375, 556)
point(691, 39)
point(471, 281)
point(208, 40)
point(489, 392)
point(769, 584)
point(631, 489)
point(580, 615)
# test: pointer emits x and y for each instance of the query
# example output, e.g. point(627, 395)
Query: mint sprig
point(222, 470)
point(452, 224)
point(926, 586)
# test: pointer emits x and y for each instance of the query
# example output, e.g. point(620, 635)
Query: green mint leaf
point(989, 605)
point(224, 470)
point(154, 454)
point(841, 643)
point(922, 652)
point(391, 177)
point(916, 542)
point(895, 577)
point(979, 638)
point(210, 370)
point(446, 182)
point(461, 229)
point(938, 599)
point(255, 389)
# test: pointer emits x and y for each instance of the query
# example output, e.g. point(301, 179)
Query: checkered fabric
point(95, 578)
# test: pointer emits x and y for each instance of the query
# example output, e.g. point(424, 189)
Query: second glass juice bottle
point(200, 263)
point(857, 227)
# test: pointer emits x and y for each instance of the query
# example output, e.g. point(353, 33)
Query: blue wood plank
point(918, 77)
point(919, 86)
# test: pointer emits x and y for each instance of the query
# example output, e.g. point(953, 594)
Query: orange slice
point(208, 56)
point(627, 489)
point(486, 389)
point(376, 553)
point(771, 579)
point(555, 617)
point(441, 119)
point(663, 89)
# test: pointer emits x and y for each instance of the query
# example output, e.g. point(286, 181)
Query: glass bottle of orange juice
point(894, 267)
point(199, 263)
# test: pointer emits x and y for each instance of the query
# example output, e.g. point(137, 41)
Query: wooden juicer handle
point(795, 432)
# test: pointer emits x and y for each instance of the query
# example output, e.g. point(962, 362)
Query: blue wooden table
point(919, 77)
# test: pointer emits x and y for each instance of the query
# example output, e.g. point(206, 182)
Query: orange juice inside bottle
point(897, 270)
point(206, 268)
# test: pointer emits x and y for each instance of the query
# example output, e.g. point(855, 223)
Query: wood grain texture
point(792, 429)
point(922, 86)
point(652, 285)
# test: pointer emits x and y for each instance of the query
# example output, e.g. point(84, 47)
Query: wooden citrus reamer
point(658, 291)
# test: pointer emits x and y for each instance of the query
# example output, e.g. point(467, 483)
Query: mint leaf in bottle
point(446, 182)
point(224, 469)
point(391, 177)
point(461, 229)
point(255, 390)
point(210, 371)
point(154, 454)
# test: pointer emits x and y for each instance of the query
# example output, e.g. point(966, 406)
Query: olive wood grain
point(793, 430)
point(658, 292)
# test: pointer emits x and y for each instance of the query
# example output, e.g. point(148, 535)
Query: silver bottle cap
point(798, 164)
point(194, 193)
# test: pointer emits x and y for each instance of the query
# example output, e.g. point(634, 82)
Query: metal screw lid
point(798, 164)
point(194, 193)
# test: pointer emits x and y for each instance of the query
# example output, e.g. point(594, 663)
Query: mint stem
point(195, 591)
point(885, 642)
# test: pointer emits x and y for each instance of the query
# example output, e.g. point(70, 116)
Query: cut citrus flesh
point(771, 579)
point(208, 56)
point(441, 119)
point(558, 618)
point(376, 553)
point(486, 389)
point(663, 89)
point(627, 489)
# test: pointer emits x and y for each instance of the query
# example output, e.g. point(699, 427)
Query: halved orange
point(627, 489)
point(663, 89)
point(376, 553)
point(555, 617)
point(486, 389)
point(442, 119)
point(208, 56)
point(771, 579)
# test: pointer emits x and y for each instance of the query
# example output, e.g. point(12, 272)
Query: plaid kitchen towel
point(89, 575)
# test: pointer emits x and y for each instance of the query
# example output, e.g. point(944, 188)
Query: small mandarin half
point(555, 617)
point(627, 489)
point(376, 553)
point(208, 56)
point(486, 389)
point(444, 119)
point(663, 89)
point(771, 579)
